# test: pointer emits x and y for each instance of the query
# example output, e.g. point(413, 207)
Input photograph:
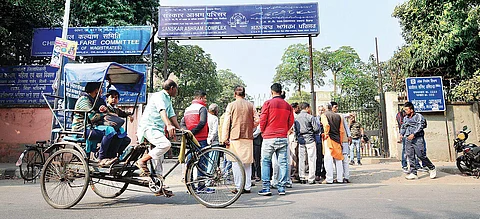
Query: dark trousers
point(118, 145)
point(415, 147)
point(257, 165)
point(320, 170)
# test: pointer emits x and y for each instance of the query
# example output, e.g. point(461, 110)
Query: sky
point(353, 23)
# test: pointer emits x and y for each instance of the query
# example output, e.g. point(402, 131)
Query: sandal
point(143, 168)
point(164, 192)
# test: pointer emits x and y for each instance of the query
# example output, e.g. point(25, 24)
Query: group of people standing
point(286, 143)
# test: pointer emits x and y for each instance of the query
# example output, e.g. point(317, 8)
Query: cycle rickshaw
point(68, 172)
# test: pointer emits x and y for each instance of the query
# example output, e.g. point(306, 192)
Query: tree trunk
point(334, 82)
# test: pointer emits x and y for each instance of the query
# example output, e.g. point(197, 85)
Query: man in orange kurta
point(332, 139)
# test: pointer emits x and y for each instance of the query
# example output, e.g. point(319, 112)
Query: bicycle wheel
point(107, 188)
point(32, 162)
point(65, 178)
point(210, 186)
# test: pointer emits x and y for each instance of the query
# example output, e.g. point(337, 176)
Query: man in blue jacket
point(412, 130)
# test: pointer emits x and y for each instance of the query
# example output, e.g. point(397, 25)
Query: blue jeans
point(355, 146)
point(203, 163)
point(280, 147)
point(415, 149)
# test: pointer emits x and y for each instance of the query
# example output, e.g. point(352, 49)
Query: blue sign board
point(24, 85)
point(239, 20)
point(96, 41)
point(426, 93)
point(130, 97)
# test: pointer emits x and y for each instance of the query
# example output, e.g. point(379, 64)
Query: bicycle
point(31, 160)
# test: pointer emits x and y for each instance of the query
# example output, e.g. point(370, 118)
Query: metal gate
point(369, 116)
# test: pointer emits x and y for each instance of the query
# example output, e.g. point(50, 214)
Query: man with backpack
point(412, 130)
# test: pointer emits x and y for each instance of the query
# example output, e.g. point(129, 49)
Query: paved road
point(377, 191)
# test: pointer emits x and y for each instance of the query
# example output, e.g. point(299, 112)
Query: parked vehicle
point(469, 162)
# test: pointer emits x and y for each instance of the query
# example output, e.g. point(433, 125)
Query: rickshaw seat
point(74, 138)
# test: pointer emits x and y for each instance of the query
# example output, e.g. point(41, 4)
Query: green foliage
point(295, 67)
point(112, 13)
point(194, 68)
point(228, 80)
point(299, 97)
point(17, 20)
point(343, 63)
point(396, 70)
point(442, 37)
point(19, 17)
point(468, 90)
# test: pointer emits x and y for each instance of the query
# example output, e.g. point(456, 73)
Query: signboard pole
point(66, 18)
point(383, 109)
point(165, 57)
point(312, 85)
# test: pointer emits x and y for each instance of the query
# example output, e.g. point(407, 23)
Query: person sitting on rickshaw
point(121, 139)
point(99, 133)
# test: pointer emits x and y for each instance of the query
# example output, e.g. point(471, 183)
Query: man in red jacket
point(275, 121)
point(195, 120)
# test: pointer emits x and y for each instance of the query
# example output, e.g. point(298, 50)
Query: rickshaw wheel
point(212, 186)
point(65, 178)
point(107, 188)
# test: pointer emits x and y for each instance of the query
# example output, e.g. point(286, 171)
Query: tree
point(396, 70)
point(228, 81)
point(341, 62)
point(468, 90)
point(442, 37)
point(19, 17)
point(295, 67)
point(194, 68)
point(17, 20)
point(299, 97)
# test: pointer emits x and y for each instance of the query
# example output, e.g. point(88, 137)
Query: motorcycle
point(469, 162)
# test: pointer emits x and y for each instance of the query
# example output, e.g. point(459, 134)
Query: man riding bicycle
point(158, 117)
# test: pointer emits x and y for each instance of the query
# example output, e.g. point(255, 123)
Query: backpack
point(424, 121)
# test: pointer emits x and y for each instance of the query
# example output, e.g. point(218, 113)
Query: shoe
point(281, 192)
point(303, 181)
point(289, 185)
point(164, 192)
point(143, 168)
point(295, 180)
point(318, 179)
point(273, 186)
point(253, 183)
point(325, 182)
point(235, 191)
point(433, 173)
point(336, 181)
point(257, 179)
point(265, 192)
point(411, 176)
point(405, 170)
point(205, 190)
point(346, 181)
point(352, 163)
point(359, 163)
point(311, 183)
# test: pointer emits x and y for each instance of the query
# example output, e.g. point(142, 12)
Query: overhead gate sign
point(426, 93)
point(238, 20)
point(96, 41)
